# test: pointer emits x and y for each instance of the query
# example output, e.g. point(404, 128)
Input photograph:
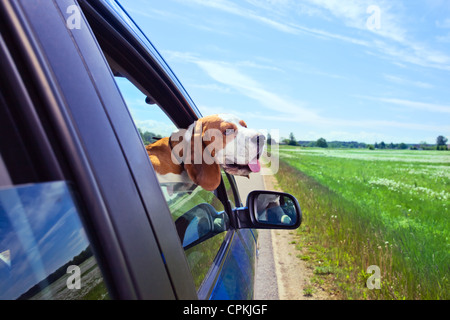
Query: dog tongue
point(254, 165)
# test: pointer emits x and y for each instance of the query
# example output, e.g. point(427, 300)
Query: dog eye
point(228, 132)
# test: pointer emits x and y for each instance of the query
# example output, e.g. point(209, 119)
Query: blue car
point(82, 213)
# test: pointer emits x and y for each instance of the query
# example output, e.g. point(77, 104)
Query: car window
point(44, 251)
point(198, 214)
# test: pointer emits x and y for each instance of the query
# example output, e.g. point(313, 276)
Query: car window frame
point(236, 196)
point(30, 155)
point(145, 72)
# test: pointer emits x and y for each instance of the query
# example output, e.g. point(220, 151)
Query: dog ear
point(202, 173)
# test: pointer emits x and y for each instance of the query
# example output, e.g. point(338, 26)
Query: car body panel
point(236, 280)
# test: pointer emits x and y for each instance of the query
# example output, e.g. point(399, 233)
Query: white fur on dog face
point(243, 149)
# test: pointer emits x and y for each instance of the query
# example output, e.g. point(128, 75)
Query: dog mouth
point(243, 169)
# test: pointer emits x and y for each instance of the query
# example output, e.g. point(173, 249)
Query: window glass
point(200, 220)
point(199, 215)
point(44, 251)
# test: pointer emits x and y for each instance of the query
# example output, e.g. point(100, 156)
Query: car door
point(237, 274)
point(225, 261)
point(222, 265)
point(70, 95)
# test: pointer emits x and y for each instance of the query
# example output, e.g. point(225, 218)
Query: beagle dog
point(194, 156)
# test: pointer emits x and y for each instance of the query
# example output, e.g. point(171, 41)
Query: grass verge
point(341, 239)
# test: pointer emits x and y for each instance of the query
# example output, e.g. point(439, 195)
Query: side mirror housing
point(270, 210)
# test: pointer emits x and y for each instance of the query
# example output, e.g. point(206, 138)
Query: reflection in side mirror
point(199, 224)
point(270, 209)
point(275, 209)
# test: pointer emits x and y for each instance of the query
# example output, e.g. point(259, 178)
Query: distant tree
point(321, 143)
point(269, 139)
point(370, 147)
point(391, 146)
point(441, 141)
point(382, 145)
point(376, 145)
point(423, 145)
point(292, 141)
point(148, 137)
point(402, 146)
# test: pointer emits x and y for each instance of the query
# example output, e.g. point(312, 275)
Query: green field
point(372, 207)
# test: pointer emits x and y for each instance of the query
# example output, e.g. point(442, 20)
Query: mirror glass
point(199, 224)
point(275, 209)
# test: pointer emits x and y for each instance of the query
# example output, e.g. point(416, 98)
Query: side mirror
point(270, 210)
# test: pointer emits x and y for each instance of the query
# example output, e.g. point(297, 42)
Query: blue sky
point(364, 70)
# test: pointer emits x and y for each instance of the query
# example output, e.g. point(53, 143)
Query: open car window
point(199, 215)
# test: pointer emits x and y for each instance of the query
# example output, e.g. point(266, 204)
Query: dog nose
point(259, 140)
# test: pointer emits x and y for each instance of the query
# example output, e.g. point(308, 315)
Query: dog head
point(240, 155)
point(218, 140)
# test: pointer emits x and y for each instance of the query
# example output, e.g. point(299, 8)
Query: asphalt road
point(266, 282)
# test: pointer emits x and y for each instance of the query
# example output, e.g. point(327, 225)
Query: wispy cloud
point(390, 40)
point(152, 13)
point(212, 87)
point(417, 105)
point(284, 109)
point(407, 82)
point(431, 107)
point(228, 75)
point(394, 40)
point(232, 8)
point(354, 14)
point(330, 35)
point(292, 28)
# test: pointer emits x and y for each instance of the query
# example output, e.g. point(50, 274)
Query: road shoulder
point(293, 274)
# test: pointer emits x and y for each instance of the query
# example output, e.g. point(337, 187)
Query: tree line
point(441, 144)
point(148, 137)
point(56, 275)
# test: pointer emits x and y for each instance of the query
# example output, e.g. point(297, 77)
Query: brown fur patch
point(242, 123)
point(160, 156)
